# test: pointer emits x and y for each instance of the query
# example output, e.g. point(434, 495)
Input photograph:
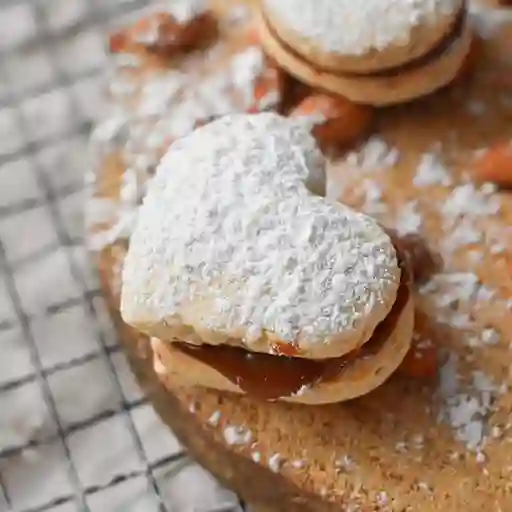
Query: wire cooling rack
point(75, 431)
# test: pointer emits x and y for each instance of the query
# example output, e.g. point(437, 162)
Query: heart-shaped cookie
point(236, 245)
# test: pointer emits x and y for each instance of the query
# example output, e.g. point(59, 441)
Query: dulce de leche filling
point(270, 377)
point(444, 45)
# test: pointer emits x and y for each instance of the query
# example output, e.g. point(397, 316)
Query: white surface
point(42, 470)
point(50, 91)
point(15, 362)
point(104, 451)
point(133, 495)
point(64, 336)
point(27, 233)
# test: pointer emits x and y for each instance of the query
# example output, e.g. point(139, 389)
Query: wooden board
point(389, 450)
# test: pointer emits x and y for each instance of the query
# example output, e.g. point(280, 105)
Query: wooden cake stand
point(441, 444)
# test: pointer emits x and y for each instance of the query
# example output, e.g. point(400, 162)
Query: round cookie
point(362, 36)
point(380, 89)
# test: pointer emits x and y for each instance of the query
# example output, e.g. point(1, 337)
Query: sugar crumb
point(480, 458)
point(214, 419)
point(345, 463)
point(431, 171)
point(382, 498)
point(274, 462)
point(234, 435)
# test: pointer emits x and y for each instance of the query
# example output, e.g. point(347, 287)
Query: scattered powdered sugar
point(160, 93)
point(214, 419)
point(274, 462)
point(373, 204)
point(247, 64)
point(469, 220)
point(266, 252)
point(463, 234)
point(302, 390)
point(480, 458)
point(469, 200)
point(408, 219)
point(245, 67)
point(462, 213)
point(237, 435)
point(401, 447)
point(319, 21)
point(490, 336)
point(185, 10)
point(382, 498)
point(496, 432)
point(256, 457)
point(345, 463)
point(424, 486)
point(446, 289)
point(148, 114)
point(466, 405)
point(374, 155)
point(431, 171)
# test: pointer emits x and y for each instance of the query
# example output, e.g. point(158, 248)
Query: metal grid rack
point(75, 431)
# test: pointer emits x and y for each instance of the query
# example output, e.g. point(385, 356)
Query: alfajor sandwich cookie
point(251, 281)
point(379, 52)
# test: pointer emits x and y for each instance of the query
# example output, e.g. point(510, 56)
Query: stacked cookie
point(250, 281)
point(377, 52)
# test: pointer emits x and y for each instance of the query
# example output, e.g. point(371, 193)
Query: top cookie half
point(235, 245)
point(363, 36)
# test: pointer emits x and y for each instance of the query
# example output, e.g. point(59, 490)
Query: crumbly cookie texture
point(356, 28)
point(234, 241)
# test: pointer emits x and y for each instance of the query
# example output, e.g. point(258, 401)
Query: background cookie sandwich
point(251, 281)
point(376, 52)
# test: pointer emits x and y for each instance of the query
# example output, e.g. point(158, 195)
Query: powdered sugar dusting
point(319, 20)
point(234, 435)
point(214, 419)
point(469, 229)
point(466, 405)
point(274, 462)
point(265, 252)
point(185, 10)
point(371, 157)
point(375, 154)
point(431, 171)
point(469, 218)
point(409, 219)
point(148, 114)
